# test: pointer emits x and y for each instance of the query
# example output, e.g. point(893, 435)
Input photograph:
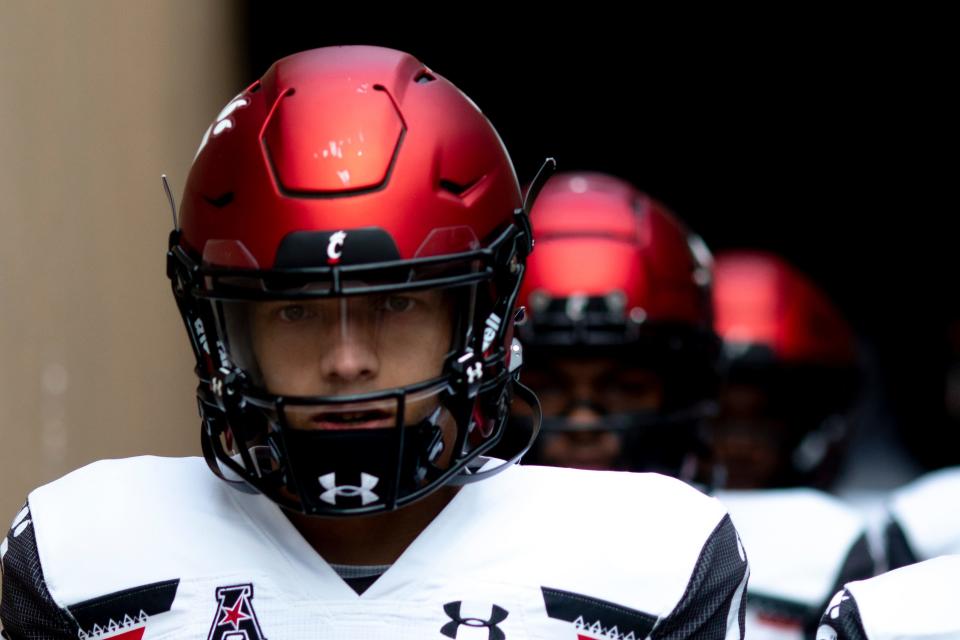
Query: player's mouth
point(369, 419)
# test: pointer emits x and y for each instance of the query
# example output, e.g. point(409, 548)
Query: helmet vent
point(220, 201)
point(424, 77)
point(457, 189)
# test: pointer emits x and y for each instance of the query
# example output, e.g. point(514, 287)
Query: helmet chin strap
point(473, 473)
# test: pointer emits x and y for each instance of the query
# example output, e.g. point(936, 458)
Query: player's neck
point(369, 540)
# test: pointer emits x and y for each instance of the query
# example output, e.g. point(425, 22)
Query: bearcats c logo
point(335, 247)
point(235, 618)
point(497, 615)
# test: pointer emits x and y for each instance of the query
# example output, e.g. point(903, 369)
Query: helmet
point(617, 276)
point(789, 366)
point(352, 239)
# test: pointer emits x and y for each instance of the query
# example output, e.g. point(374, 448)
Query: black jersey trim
point(579, 609)
point(717, 584)
point(149, 600)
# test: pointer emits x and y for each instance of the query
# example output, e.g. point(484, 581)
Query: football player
point(790, 372)
point(350, 248)
point(920, 526)
point(618, 336)
point(918, 602)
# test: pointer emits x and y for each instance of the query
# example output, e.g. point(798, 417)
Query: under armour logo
point(474, 372)
point(217, 386)
point(497, 615)
point(335, 246)
point(333, 491)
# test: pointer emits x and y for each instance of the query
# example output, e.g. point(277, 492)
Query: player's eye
point(292, 312)
point(398, 304)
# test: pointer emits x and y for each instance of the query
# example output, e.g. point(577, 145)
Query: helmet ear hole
point(424, 77)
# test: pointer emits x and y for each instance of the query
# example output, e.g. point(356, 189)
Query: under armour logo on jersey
point(235, 618)
point(497, 615)
point(333, 491)
point(335, 246)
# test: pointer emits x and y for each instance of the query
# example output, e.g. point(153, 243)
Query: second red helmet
point(616, 276)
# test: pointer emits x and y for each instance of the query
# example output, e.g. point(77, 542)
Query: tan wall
point(97, 99)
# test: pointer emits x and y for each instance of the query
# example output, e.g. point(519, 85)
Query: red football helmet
point(352, 240)
point(790, 372)
point(617, 276)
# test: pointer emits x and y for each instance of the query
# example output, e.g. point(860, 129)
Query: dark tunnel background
point(826, 141)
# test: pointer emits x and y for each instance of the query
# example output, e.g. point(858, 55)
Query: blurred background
point(826, 139)
point(96, 101)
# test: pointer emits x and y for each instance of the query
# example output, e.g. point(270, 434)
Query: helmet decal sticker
point(335, 247)
point(223, 122)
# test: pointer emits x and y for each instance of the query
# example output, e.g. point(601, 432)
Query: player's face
point(583, 392)
point(352, 345)
point(748, 439)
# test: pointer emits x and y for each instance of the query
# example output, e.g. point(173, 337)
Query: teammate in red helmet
point(789, 379)
point(790, 374)
point(619, 336)
point(349, 253)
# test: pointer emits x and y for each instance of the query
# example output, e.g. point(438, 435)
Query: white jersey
point(919, 602)
point(804, 545)
point(151, 548)
point(924, 524)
